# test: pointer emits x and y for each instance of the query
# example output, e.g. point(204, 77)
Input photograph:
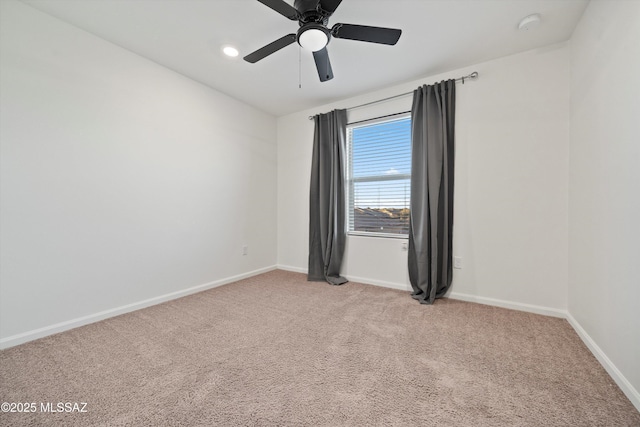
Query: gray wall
point(122, 182)
point(512, 158)
point(604, 186)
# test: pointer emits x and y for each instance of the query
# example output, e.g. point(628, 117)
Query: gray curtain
point(432, 167)
point(327, 233)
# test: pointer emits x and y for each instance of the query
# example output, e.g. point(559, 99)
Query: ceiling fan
point(314, 35)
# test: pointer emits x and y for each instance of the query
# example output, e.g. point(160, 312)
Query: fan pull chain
point(299, 67)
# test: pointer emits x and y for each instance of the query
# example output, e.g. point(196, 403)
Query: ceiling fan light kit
point(314, 35)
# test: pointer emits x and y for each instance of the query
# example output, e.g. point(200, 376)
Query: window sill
point(379, 235)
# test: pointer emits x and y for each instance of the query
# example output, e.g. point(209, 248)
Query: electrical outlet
point(457, 262)
point(404, 247)
point(245, 250)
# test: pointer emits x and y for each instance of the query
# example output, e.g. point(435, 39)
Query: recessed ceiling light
point(529, 22)
point(230, 51)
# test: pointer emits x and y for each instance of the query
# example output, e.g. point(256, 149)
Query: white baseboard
point(612, 370)
point(92, 318)
point(546, 311)
point(352, 278)
point(381, 283)
point(291, 268)
point(529, 308)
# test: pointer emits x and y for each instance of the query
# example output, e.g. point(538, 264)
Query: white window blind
point(379, 175)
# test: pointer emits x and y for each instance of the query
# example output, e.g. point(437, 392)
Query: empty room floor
point(275, 349)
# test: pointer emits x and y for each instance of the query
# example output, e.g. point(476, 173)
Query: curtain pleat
point(327, 235)
point(432, 176)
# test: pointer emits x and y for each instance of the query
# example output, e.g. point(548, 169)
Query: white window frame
point(349, 181)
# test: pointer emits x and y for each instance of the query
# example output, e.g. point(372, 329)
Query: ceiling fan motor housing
point(311, 11)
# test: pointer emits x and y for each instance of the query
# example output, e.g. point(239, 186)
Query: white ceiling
point(438, 35)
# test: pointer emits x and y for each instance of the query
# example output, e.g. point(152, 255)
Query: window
point(379, 176)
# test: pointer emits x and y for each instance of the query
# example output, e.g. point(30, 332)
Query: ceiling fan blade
point(323, 64)
point(283, 8)
point(270, 48)
point(365, 33)
point(330, 5)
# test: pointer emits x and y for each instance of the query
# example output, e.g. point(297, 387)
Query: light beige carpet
point(277, 350)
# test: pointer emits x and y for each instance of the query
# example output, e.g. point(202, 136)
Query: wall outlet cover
point(457, 262)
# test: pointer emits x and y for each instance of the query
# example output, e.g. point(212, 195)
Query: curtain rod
point(471, 76)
